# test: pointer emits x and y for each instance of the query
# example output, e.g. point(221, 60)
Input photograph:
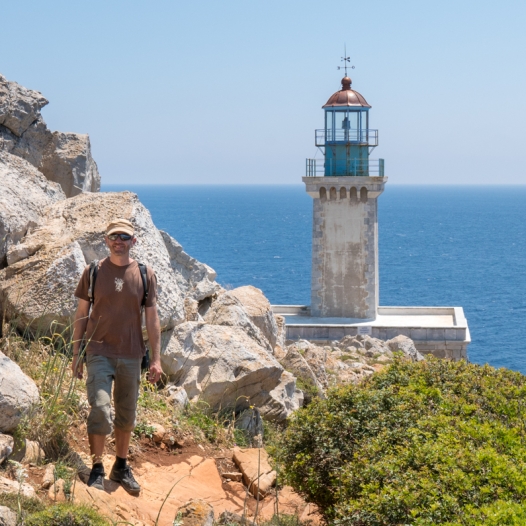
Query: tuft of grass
point(27, 504)
point(285, 520)
point(67, 514)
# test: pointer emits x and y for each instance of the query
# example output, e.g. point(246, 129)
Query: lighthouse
point(345, 185)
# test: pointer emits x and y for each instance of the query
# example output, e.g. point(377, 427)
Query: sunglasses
point(123, 237)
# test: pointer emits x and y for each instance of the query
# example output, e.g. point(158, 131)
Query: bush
point(433, 442)
point(67, 514)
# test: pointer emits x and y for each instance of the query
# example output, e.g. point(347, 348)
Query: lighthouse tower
point(345, 186)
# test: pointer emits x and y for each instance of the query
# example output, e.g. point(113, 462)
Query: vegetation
point(67, 514)
point(433, 442)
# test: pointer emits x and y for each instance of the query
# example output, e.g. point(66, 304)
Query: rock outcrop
point(18, 394)
point(64, 158)
point(224, 366)
point(24, 194)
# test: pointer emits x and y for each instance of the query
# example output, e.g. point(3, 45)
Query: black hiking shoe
point(96, 479)
point(126, 478)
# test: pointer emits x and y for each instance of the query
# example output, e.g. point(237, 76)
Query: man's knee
point(99, 420)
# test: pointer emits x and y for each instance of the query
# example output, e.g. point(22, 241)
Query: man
point(114, 349)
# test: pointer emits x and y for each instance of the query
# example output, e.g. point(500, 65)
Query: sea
point(438, 246)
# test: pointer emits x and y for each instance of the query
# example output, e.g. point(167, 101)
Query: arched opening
point(343, 193)
point(323, 194)
point(363, 194)
point(353, 194)
point(332, 194)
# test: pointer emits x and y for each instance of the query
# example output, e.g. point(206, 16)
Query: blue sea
point(439, 246)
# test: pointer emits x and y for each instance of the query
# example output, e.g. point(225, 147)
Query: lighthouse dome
point(346, 97)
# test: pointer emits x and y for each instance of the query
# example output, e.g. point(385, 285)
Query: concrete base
point(441, 331)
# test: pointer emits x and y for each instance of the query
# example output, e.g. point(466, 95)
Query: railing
point(344, 167)
point(369, 137)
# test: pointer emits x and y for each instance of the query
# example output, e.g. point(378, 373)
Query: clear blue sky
point(231, 91)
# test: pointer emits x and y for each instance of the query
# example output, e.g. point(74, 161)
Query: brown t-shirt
point(114, 325)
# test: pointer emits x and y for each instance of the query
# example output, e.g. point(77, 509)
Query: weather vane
point(346, 60)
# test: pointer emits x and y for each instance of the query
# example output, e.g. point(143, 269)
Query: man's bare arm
point(153, 328)
point(79, 328)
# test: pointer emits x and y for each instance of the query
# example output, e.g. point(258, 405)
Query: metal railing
point(367, 136)
point(344, 167)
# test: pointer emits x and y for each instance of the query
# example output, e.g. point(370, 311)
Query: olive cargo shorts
point(125, 373)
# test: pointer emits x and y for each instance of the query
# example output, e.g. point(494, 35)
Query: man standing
point(115, 348)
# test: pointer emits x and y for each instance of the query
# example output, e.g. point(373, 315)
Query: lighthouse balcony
point(344, 167)
point(365, 137)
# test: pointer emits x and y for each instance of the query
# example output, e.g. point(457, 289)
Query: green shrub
point(67, 514)
point(433, 442)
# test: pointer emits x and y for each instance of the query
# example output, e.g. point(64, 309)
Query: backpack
point(93, 271)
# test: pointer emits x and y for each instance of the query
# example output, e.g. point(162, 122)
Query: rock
point(30, 452)
point(259, 310)
point(19, 106)
point(178, 397)
point(158, 433)
point(56, 491)
point(295, 363)
point(191, 310)
point(72, 234)
point(251, 423)
point(6, 446)
point(49, 477)
point(7, 517)
point(18, 394)
point(68, 161)
point(62, 157)
point(283, 400)
point(24, 194)
point(12, 486)
point(194, 278)
point(223, 366)
point(227, 309)
point(405, 345)
point(196, 513)
point(282, 332)
point(235, 477)
point(229, 518)
point(253, 463)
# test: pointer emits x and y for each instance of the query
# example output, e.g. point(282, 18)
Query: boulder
point(404, 344)
point(6, 446)
point(40, 288)
point(12, 486)
point(258, 475)
point(24, 194)
point(67, 160)
point(19, 106)
point(295, 363)
point(194, 278)
point(62, 157)
point(7, 517)
point(18, 394)
point(196, 512)
point(48, 479)
point(223, 366)
point(259, 311)
point(30, 452)
point(228, 310)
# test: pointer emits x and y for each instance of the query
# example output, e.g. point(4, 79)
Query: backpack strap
point(144, 277)
point(93, 270)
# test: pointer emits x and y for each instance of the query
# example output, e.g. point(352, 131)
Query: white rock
point(29, 453)
point(24, 194)
point(68, 161)
point(7, 516)
point(405, 345)
point(178, 396)
point(18, 394)
point(223, 366)
point(194, 278)
point(6, 446)
point(227, 309)
point(298, 366)
point(48, 479)
point(12, 486)
point(19, 106)
point(259, 310)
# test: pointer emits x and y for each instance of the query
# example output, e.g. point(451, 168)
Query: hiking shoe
point(126, 478)
point(96, 480)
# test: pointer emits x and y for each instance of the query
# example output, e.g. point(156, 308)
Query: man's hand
point(77, 366)
point(154, 374)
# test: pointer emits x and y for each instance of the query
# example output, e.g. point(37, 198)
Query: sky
point(230, 92)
